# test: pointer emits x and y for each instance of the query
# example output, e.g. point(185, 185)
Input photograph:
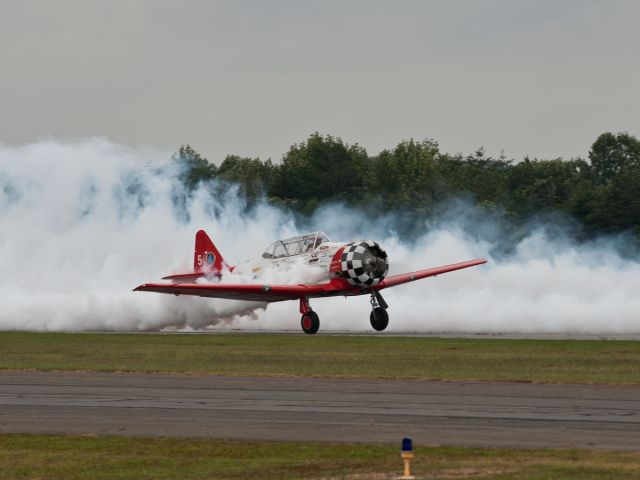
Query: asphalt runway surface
point(321, 409)
point(391, 333)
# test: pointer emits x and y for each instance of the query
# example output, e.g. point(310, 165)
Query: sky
point(538, 78)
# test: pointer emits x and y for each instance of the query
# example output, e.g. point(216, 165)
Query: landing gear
point(310, 322)
point(379, 317)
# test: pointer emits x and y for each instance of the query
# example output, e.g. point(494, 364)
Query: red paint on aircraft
point(209, 263)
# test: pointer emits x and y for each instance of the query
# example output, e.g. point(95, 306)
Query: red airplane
point(354, 268)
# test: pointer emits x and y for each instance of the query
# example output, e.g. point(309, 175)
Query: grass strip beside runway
point(49, 456)
point(547, 361)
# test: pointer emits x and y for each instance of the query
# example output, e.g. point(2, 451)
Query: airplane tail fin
point(207, 261)
point(206, 257)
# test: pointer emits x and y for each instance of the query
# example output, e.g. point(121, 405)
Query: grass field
point(548, 361)
point(62, 457)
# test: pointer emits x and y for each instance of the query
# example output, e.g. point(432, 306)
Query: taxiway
point(321, 409)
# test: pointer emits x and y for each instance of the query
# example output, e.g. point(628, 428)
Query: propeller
point(375, 262)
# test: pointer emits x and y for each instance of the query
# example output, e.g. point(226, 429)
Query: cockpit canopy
point(295, 245)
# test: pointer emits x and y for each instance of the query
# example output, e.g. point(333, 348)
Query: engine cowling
point(363, 263)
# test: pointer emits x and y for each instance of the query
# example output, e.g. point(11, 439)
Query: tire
point(379, 319)
point(310, 322)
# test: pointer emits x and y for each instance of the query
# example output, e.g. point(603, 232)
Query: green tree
point(483, 177)
point(194, 168)
point(612, 154)
point(322, 168)
point(607, 198)
point(537, 186)
point(407, 177)
point(253, 175)
point(412, 179)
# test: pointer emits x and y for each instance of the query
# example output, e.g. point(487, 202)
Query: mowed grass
point(546, 361)
point(67, 457)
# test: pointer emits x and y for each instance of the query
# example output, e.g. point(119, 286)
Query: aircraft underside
point(379, 318)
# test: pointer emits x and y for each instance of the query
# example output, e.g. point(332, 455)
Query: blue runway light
point(407, 455)
point(407, 445)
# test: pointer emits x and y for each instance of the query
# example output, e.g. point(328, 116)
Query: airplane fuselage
point(319, 260)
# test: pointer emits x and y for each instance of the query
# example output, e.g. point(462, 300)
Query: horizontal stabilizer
point(190, 277)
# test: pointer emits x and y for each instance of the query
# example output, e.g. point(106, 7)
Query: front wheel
point(310, 322)
point(379, 319)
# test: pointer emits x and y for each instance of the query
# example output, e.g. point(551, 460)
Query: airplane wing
point(278, 293)
point(256, 293)
point(429, 272)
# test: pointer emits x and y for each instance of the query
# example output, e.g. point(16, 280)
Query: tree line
point(602, 192)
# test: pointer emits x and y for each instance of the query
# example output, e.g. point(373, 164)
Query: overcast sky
point(539, 78)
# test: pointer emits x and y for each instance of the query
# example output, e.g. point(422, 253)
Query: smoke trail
point(83, 223)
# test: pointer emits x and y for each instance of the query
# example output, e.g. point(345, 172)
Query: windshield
point(295, 246)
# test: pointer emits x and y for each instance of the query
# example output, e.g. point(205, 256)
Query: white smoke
point(82, 224)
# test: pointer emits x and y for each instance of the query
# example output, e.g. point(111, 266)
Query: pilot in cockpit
point(308, 245)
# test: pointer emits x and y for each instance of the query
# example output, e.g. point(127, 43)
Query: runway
point(321, 409)
point(222, 330)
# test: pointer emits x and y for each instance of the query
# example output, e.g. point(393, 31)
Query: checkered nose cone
point(364, 263)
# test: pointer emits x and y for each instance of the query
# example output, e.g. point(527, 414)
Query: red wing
point(429, 272)
point(256, 293)
point(278, 293)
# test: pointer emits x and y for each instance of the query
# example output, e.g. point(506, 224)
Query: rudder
point(206, 257)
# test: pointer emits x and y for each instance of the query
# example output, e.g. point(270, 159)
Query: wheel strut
point(305, 307)
point(377, 300)
point(379, 317)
